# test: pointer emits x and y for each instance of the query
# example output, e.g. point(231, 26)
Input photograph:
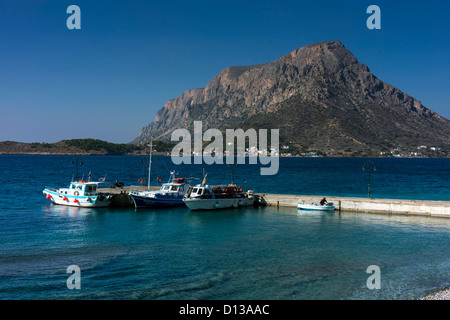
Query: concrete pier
point(121, 194)
point(386, 206)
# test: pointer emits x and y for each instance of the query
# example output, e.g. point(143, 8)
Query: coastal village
point(164, 148)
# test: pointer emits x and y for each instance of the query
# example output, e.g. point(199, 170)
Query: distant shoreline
point(80, 147)
point(79, 154)
point(168, 155)
point(85, 147)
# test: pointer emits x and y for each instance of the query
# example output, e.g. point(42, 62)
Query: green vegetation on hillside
point(162, 146)
point(97, 145)
point(116, 148)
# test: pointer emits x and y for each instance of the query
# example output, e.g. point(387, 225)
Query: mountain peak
point(318, 95)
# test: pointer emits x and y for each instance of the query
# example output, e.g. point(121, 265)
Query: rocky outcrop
point(319, 96)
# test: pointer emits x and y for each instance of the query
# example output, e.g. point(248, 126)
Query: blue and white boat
point(79, 194)
point(170, 194)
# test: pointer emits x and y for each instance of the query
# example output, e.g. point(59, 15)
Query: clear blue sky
point(107, 80)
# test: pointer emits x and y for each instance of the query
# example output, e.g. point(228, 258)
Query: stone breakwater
point(440, 295)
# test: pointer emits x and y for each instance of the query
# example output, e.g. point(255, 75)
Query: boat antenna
point(150, 163)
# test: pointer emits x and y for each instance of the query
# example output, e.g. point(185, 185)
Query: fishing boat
point(316, 207)
point(211, 197)
point(79, 194)
point(170, 194)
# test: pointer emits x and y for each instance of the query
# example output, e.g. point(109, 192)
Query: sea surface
point(246, 253)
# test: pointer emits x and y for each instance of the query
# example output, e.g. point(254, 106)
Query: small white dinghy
point(316, 207)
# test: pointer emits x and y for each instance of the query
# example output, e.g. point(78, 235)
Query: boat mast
point(232, 172)
point(232, 176)
point(76, 168)
point(150, 163)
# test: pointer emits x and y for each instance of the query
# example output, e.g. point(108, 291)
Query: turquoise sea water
point(247, 253)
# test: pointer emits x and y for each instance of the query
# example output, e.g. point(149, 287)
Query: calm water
point(228, 254)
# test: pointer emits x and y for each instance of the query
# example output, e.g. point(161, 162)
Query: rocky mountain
point(319, 97)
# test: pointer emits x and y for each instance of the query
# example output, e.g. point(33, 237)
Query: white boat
point(79, 194)
point(211, 197)
point(316, 207)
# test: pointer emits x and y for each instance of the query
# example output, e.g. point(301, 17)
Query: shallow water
point(246, 253)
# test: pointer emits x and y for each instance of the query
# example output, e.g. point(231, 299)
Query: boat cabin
point(211, 192)
point(203, 192)
point(84, 187)
point(169, 187)
point(176, 186)
point(80, 188)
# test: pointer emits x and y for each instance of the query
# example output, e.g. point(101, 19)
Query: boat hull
point(97, 201)
point(213, 204)
point(314, 207)
point(150, 202)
